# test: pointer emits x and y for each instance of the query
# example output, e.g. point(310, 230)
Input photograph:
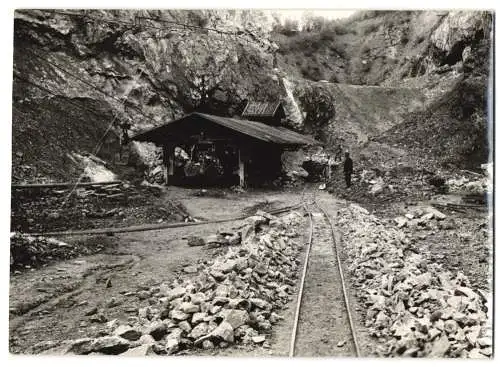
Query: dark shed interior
point(207, 149)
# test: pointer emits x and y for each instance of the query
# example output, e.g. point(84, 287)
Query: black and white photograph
point(251, 183)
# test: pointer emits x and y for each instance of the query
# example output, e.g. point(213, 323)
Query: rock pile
point(413, 307)
point(233, 299)
point(28, 251)
point(106, 205)
point(370, 186)
point(470, 186)
point(424, 218)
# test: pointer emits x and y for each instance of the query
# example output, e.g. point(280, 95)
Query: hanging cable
point(97, 148)
point(59, 67)
point(173, 24)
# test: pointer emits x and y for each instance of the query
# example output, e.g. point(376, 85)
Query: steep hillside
point(81, 75)
point(406, 77)
point(379, 47)
point(135, 67)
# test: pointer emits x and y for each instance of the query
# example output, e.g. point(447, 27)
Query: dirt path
point(51, 303)
point(323, 324)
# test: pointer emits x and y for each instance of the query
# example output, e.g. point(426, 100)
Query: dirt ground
point(51, 303)
point(323, 324)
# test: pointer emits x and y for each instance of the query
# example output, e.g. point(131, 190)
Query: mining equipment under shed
point(222, 150)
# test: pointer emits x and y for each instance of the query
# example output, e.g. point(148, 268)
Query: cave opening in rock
point(455, 54)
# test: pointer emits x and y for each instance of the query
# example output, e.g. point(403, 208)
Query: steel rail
point(301, 288)
point(342, 278)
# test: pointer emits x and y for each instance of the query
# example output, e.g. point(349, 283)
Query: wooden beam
point(164, 163)
point(171, 163)
point(64, 185)
point(241, 170)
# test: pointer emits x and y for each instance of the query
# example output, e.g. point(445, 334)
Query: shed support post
point(241, 170)
point(171, 163)
point(165, 166)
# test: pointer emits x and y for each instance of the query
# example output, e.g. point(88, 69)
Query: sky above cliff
point(297, 14)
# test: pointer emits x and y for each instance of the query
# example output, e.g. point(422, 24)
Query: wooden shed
point(245, 150)
point(271, 113)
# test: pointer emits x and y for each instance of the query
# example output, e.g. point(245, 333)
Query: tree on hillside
point(312, 23)
point(289, 27)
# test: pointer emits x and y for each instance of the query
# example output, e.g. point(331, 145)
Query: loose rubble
point(413, 307)
point(28, 252)
point(104, 205)
point(471, 182)
point(234, 298)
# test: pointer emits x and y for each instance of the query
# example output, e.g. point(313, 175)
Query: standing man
point(347, 169)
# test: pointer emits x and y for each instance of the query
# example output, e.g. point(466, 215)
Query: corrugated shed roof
point(260, 109)
point(257, 130)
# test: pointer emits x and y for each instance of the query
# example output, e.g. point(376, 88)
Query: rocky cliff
point(380, 47)
point(79, 75)
point(77, 72)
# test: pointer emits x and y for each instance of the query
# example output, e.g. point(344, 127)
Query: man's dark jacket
point(348, 165)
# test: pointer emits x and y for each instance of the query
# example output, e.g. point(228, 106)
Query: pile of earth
point(36, 210)
point(29, 252)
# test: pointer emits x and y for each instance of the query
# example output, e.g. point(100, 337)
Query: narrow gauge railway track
point(323, 324)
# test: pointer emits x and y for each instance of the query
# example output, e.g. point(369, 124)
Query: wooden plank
point(152, 227)
point(64, 185)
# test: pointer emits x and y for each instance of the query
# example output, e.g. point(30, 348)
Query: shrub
point(318, 104)
point(341, 30)
point(370, 28)
point(327, 35)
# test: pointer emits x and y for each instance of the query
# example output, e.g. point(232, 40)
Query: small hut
point(222, 150)
point(271, 113)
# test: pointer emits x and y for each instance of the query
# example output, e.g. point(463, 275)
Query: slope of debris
point(459, 122)
point(413, 306)
point(119, 204)
point(29, 252)
point(234, 298)
point(350, 114)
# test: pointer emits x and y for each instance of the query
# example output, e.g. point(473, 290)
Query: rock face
point(163, 70)
point(455, 30)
